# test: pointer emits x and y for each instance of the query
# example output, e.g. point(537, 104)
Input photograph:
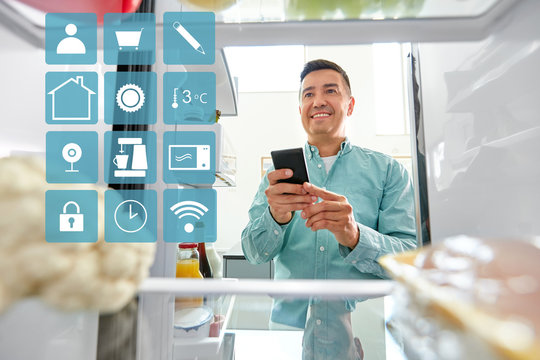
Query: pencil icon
point(188, 37)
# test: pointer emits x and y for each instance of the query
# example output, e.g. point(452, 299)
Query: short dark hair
point(321, 64)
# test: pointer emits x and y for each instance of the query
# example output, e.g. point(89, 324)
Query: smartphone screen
point(291, 159)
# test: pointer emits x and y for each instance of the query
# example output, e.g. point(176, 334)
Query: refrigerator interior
point(477, 123)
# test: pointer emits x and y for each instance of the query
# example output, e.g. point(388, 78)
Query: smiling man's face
point(325, 103)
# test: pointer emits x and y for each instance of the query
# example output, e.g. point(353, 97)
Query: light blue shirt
point(380, 192)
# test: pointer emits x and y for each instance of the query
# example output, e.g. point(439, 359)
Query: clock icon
point(130, 216)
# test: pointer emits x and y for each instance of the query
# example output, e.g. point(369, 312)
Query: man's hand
point(334, 213)
point(285, 198)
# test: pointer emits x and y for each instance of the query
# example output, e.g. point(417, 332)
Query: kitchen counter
point(235, 265)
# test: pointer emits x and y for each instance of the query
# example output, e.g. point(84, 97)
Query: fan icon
point(130, 98)
point(189, 208)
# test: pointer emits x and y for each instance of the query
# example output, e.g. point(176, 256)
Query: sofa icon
point(71, 100)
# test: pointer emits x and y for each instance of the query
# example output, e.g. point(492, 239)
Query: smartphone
point(291, 159)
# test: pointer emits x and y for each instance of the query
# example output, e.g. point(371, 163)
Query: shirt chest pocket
point(365, 203)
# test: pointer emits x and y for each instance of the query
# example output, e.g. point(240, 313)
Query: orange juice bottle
point(187, 266)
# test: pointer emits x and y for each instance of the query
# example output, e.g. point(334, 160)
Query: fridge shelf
point(208, 347)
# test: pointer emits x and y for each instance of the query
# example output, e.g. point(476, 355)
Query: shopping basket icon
point(130, 38)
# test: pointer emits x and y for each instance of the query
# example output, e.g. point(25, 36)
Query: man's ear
point(300, 109)
point(351, 106)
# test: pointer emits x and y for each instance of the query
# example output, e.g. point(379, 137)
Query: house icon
point(71, 100)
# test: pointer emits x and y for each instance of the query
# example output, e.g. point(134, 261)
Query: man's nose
point(319, 100)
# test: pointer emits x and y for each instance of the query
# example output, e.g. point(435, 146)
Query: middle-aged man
point(357, 206)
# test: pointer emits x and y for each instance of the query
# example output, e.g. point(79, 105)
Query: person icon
point(70, 44)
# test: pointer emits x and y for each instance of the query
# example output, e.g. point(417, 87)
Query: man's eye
point(331, 91)
point(308, 94)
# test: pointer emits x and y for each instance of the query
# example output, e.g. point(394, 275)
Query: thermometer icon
point(188, 37)
point(175, 99)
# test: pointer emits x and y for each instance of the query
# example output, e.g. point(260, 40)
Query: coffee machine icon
point(139, 163)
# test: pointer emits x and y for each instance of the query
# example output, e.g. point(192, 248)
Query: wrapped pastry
point(488, 290)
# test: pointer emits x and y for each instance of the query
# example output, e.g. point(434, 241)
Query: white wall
point(268, 121)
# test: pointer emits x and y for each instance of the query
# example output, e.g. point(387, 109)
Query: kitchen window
point(389, 88)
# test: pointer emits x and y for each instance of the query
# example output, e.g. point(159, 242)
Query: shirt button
point(266, 254)
point(318, 321)
point(321, 248)
point(312, 148)
point(309, 157)
point(319, 166)
point(354, 261)
point(276, 232)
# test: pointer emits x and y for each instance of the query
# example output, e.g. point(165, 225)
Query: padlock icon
point(71, 222)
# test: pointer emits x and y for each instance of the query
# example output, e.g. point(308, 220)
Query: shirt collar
point(312, 150)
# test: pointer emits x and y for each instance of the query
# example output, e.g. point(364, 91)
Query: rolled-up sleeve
point(396, 230)
point(262, 238)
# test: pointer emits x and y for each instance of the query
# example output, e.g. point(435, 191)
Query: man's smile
point(320, 114)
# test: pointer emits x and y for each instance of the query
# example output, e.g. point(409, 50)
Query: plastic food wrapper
point(468, 298)
point(69, 276)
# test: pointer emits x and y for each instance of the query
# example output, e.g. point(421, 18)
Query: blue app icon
point(130, 98)
point(71, 216)
point(189, 157)
point(130, 157)
point(71, 98)
point(129, 38)
point(70, 38)
point(130, 216)
point(189, 98)
point(72, 157)
point(189, 38)
point(190, 215)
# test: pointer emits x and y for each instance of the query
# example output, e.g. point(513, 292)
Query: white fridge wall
point(22, 96)
point(481, 104)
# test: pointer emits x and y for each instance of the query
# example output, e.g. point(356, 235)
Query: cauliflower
point(72, 276)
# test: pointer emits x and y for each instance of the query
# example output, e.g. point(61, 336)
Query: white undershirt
point(328, 162)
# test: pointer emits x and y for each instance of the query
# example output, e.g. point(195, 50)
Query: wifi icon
point(189, 208)
point(189, 215)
